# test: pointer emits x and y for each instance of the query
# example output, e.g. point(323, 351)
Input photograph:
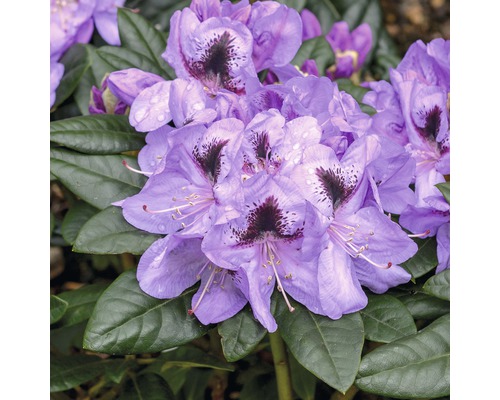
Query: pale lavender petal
point(126, 84)
point(311, 27)
point(204, 9)
point(380, 280)
point(106, 20)
point(150, 109)
point(169, 266)
point(419, 220)
point(56, 73)
point(443, 247)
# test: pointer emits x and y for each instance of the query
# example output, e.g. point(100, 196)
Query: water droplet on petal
point(140, 114)
point(296, 146)
point(161, 227)
point(310, 170)
point(296, 160)
point(305, 134)
point(198, 106)
point(160, 117)
point(308, 181)
point(155, 99)
point(228, 208)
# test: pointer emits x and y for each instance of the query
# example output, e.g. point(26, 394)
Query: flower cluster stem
point(281, 366)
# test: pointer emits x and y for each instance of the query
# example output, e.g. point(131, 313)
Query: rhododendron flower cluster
point(287, 186)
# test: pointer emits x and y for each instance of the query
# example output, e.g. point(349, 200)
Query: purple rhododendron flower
point(350, 48)
point(126, 84)
point(269, 242)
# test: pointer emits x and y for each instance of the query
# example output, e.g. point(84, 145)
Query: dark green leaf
point(330, 349)
point(198, 381)
point(128, 321)
point(97, 134)
point(385, 56)
point(262, 387)
point(146, 387)
point(317, 49)
point(240, 334)
point(67, 372)
point(139, 35)
point(75, 218)
point(303, 382)
point(421, 305)
point(57, 308)
point(109, 233)
point(68, 338)
point(81, 302)
point(121, 58)
point(386, 319)
point(115, 369)
point(99, 180)
point(439, 285)
point(158, 12)
point(424, 260)
point(189, 356)
point(295, 4)
point(174, 376)
point(76, 62)
point(52, 222)
point(414, 367)
point(444, 188)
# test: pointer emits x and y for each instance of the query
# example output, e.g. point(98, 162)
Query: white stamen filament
point(136, 170)
point(205, 290)
point(419, 235)
point(270, 261)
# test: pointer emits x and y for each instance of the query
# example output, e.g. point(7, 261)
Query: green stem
point(283, 378)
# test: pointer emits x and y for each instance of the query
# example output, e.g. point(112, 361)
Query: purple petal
point(169, 266)
point(106, 20)
point(443, 247)
point(380, 280)
point(311, 27)
point(56, 73)
point(150, 109)
point(128, 83)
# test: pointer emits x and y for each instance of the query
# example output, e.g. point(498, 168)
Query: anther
point(423, 234)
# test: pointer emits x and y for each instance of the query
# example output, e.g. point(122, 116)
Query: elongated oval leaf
point(417, 366)
point(158, 12)
point(386, 319)
point(75, 218)
point(189, 356)
point(240, 335)
point(424, 260)
point(97, 134)
point(420, 304)
point(57, 308)
point(146, 387)
point(121, 58)
point(330, 349)
point(67, 372)
point(128, 321)
point(81, 302)
point(76, 62)
point(109, 233)
point(138, 34)
point(439, 285)
point(99, 180)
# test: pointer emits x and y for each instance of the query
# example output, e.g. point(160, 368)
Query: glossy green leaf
point(424, 260)
point(174, 376)
point(356, 91)
point(303, 382)
point(330, 349)
point(121, 58)
point(189, 356)
point(295, 4)
point(76, 62)
point(317, 49)
point(439, 285)
point(75, 218)
point(420, 304)
point(57, 308)
point(97, 134)
point(67, 372)
point(139, 35)
point(128, 321)
point(386, 319)
point(146, 387)
point(240, 334)
point(67, 338)
point(109, 233)
point(98, 180)
point(81, 302)
point(444, 188)
point(414, 367)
